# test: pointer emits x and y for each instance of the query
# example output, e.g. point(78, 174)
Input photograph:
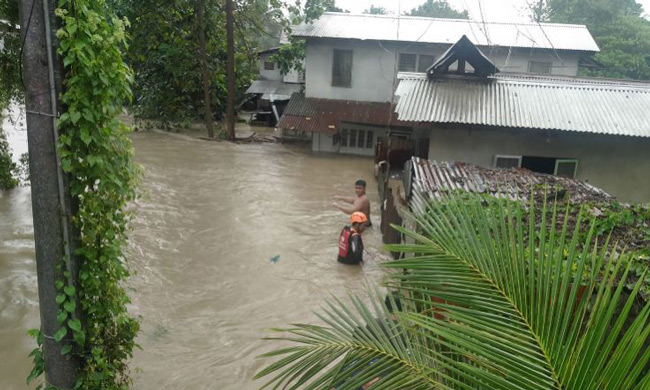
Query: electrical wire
point(530, 7)
point(485, 29)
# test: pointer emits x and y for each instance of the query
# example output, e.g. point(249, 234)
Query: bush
point(7, 166)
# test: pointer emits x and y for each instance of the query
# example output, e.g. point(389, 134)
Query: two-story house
point(272, 90)
point(352, 62)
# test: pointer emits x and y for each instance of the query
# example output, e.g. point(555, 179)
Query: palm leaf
point(496, 295)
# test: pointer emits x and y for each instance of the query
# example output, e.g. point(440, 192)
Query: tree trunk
point(230, 72)
point(53, 234)
point(204, 69)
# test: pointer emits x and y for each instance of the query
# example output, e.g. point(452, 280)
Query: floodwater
point(211, 219)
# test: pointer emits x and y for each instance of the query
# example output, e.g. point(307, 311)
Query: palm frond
point(496, 295)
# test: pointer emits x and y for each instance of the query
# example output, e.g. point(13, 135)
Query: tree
point(10, 86)
point(375, 10)
point(329, 6)
point(620, 31)
point(492, 294)
point(7, 166)
point(438, 9)
point(164, 51)
point(10, 78)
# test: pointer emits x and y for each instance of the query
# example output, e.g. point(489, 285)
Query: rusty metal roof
point(325, 115)
point(528, 102)
point(448, 31)
point(431, 179)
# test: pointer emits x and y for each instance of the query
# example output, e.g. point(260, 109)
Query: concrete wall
point(268, 74)
point(373, 65)
point(619, 165)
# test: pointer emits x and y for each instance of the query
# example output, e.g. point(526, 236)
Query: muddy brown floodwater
point(211, 218)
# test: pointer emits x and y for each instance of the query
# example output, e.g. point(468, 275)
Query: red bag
point(344, 242)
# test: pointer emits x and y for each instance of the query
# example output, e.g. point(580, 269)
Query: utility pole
point(51, 202)
point(230, 72)
point(204, 69)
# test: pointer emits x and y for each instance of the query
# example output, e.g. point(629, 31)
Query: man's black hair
point(360, 183)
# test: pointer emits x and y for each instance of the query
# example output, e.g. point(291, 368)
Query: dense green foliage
point(10, 87)
point(7, 166)
point(164, 50)
point(96, 152)
point(438, 9)
point(164, 54)
point(493, 294)
point(617, 26)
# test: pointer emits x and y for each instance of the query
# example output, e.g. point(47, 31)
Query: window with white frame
point(357, 139)
point(415, 62)
point(407, 62)
point(505, 161)
point(539, 67)
point(566, 168)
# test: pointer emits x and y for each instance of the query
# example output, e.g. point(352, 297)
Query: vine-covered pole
point(52, 240)
point(230, 72)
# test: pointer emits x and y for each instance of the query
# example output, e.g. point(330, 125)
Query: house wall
point(293, 77)
point(619, 165)
point(325, 143)
point(321, 142)
point(268, 74)
point(374, 65)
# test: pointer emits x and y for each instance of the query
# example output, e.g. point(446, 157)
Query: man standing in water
point(360, 203)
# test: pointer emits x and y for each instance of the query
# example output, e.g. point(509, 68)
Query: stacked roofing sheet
point(528, 102)
point(276, 88)
point(448, 31)
point(431, 179)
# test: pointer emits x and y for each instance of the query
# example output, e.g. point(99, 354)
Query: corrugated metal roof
point(280, 90)
point(582, 105)
point(325, 115)
point(448, 31)
point(431, 179)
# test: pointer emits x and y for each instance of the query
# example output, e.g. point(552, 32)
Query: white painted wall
point(268, 74)
point(293, 77)
point(619, 165)
point(374, 65)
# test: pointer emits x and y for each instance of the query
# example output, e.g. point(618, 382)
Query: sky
point(492, 10)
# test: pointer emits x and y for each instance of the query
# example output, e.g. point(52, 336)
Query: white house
point(595, 130)
point(272, 89)
point(352, 62)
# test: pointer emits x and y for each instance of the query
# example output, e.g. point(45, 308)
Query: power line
point(530, 7)
point(485, 29)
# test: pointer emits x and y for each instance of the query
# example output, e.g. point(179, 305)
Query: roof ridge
point(455, 20)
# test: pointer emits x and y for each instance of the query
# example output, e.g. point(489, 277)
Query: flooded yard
point(229, 240)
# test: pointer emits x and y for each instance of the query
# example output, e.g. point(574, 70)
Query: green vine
point(96, 153)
